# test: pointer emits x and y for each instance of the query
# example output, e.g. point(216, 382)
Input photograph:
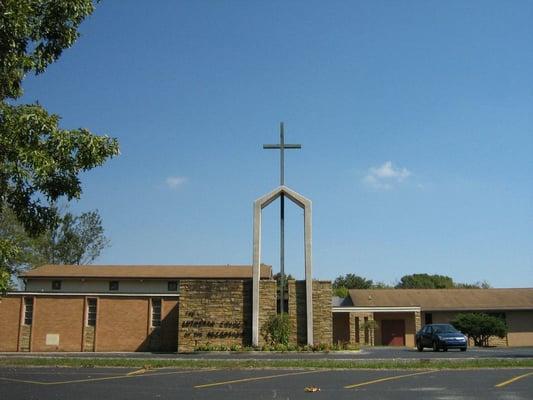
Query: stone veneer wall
point(364, 332)
point(267, 305)
point(219, 312)
point(322, 318)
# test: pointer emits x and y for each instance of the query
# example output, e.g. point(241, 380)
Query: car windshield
point(445, 329)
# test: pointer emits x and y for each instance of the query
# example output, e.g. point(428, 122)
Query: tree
point(480, 327)
point(425, 281)
point(39, 161)
point(341, 291)
point(72, 240)
point(476, 285)
point(351, 281)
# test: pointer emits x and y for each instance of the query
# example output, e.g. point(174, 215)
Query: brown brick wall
point(64, 319)
point(216, 312)
point(122, 324)
point(10, 322)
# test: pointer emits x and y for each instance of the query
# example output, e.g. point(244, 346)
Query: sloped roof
point(148, 271)
point(445, 299)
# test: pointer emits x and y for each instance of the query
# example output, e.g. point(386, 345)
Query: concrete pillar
point(259, 204)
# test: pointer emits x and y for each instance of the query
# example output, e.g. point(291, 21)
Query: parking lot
point(45, 383)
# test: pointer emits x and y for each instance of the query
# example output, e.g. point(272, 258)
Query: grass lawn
point(240, 364)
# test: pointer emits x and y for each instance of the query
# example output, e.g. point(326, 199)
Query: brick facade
point(10, 317)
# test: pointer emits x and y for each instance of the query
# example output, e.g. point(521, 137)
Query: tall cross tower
point(281, 146)
point(304, 203)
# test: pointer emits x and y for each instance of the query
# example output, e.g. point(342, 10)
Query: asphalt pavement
point(47, 383)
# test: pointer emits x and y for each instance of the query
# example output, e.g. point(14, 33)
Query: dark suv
point(440, 336)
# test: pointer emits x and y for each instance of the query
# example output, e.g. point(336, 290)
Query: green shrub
point(341, 292)
point(277, 329)
point(480, 327)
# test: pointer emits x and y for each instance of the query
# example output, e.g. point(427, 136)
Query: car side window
point(430, 330)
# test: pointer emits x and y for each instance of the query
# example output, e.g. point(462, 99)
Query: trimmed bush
point(277, 330)
point(480, 327)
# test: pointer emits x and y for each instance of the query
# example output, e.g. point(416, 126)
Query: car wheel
point(435, 346)
point(463, 348)
point(419, 346)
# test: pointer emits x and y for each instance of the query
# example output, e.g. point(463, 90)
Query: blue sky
point(416, 120)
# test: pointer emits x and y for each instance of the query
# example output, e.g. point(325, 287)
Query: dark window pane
point(156, 312)
point(56, 285)
point(172, 286)
point(113, 285)
point(28, 310)
point(91, 312)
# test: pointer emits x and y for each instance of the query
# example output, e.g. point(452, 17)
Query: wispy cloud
point(174, 182)
point(385, 176)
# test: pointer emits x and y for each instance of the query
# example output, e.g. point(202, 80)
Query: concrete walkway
point(367, 353)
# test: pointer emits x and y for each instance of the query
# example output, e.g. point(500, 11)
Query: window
point(428, 318)
point(28, 310)
point(56, 285)
point(156, 313)
point(113, 285)
point(91, 312)
point(172, 286)
point(367, 333)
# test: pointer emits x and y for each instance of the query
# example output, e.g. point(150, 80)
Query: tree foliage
point(480, 327)
point(39, 161)
point(341, 291)
point(73, 239)
point(425, 281)
point(351, 281)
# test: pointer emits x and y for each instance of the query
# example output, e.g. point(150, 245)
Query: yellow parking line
point(137, 372)
point(390, 378)
point(257, 378)
point(88, 380)
point(20, 381)
point(499, 385)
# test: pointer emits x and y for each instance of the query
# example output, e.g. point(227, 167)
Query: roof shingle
point(148, 271)
point(445, 299)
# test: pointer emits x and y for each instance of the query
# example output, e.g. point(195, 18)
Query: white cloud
point(385, 176)
point(174, 182)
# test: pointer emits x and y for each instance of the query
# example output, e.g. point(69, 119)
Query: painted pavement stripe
point(88, 380)
point(516, 378)
point(256, 378)
point(390, 378)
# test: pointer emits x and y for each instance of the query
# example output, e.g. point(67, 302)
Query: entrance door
point(393, 332)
